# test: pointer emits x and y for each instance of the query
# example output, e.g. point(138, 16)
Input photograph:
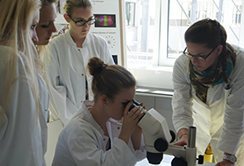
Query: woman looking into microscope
point(93, 136)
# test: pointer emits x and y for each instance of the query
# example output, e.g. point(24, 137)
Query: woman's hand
point(183, 141)
point(130, 121)
point(225, 163)
point(183, 137)
point(136, 138)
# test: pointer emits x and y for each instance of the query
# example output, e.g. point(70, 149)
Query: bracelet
point(182, 135)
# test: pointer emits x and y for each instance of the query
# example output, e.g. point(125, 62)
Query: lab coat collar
point(69, 38)
point(71, 41)
point(85, 106)
point(87, 116)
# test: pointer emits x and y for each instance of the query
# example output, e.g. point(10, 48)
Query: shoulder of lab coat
point(181, 101)
point(21, 138)
point(82, 142)
point(233, 127)
point(93, 41)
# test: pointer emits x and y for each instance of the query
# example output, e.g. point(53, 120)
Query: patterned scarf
point(210, 77)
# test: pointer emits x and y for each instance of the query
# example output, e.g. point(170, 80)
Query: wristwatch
point(230, 157)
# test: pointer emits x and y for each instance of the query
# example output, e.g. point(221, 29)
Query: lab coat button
point(82, 74)
point(118, 128)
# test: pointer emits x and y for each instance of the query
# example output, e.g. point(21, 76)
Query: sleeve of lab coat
point(181, 101)
point(60, 105)
point(234, 114)
point(85, 151)
point(20, 135)
point(44, 98)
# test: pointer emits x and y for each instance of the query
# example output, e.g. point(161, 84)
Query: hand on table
point(225, 163)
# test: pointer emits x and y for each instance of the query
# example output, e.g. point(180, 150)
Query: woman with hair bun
point(93, 136)
point(209, 91)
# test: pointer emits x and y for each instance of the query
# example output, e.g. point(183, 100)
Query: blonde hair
point(43, 48)
point(70, 4)
point(15, 23)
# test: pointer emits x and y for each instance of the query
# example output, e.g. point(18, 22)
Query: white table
point(167, 162)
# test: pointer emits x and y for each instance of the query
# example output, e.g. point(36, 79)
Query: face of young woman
point(115, 108)
point(80, 13)
point(46, 24)
point(35, 21)
point(201, 50)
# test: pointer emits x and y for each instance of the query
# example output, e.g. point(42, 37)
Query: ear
point(66, 17)
point(103, 99)
point(219, 49)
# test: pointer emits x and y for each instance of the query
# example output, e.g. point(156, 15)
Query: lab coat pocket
point(3, 124)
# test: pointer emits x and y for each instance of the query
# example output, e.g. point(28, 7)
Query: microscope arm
point(157, 139)
point(154, 126)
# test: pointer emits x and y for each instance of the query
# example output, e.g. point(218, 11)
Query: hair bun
point(96, 66)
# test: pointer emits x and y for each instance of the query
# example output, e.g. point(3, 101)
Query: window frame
point(162, 65)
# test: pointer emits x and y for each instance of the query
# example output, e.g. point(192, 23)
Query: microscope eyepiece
point(135, 104)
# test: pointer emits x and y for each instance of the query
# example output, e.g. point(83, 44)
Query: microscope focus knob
point(200, 159)
point(161, 144)
point(179, 161)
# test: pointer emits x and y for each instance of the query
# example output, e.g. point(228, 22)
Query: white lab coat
point(23, 136)
point(221, 121)
point(67, 70)
point(82, 142)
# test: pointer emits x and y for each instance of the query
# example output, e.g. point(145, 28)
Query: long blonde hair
point(15, 23)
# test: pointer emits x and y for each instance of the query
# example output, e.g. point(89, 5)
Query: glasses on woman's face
point(198, 57)
point(81, 23)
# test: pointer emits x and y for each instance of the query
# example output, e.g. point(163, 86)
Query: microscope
point(158, 140)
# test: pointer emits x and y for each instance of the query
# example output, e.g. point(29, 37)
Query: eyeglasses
point(199, 57)
point(81, 23)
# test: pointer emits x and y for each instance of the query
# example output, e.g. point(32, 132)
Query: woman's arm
point(183, 137)
point(233, 117)
point(136, 138)
point(23, 130)
point(182, 99)
point(130, 121)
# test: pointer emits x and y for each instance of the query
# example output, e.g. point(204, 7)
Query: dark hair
point(109, 79)
point(211, 33)
point(207, 32)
